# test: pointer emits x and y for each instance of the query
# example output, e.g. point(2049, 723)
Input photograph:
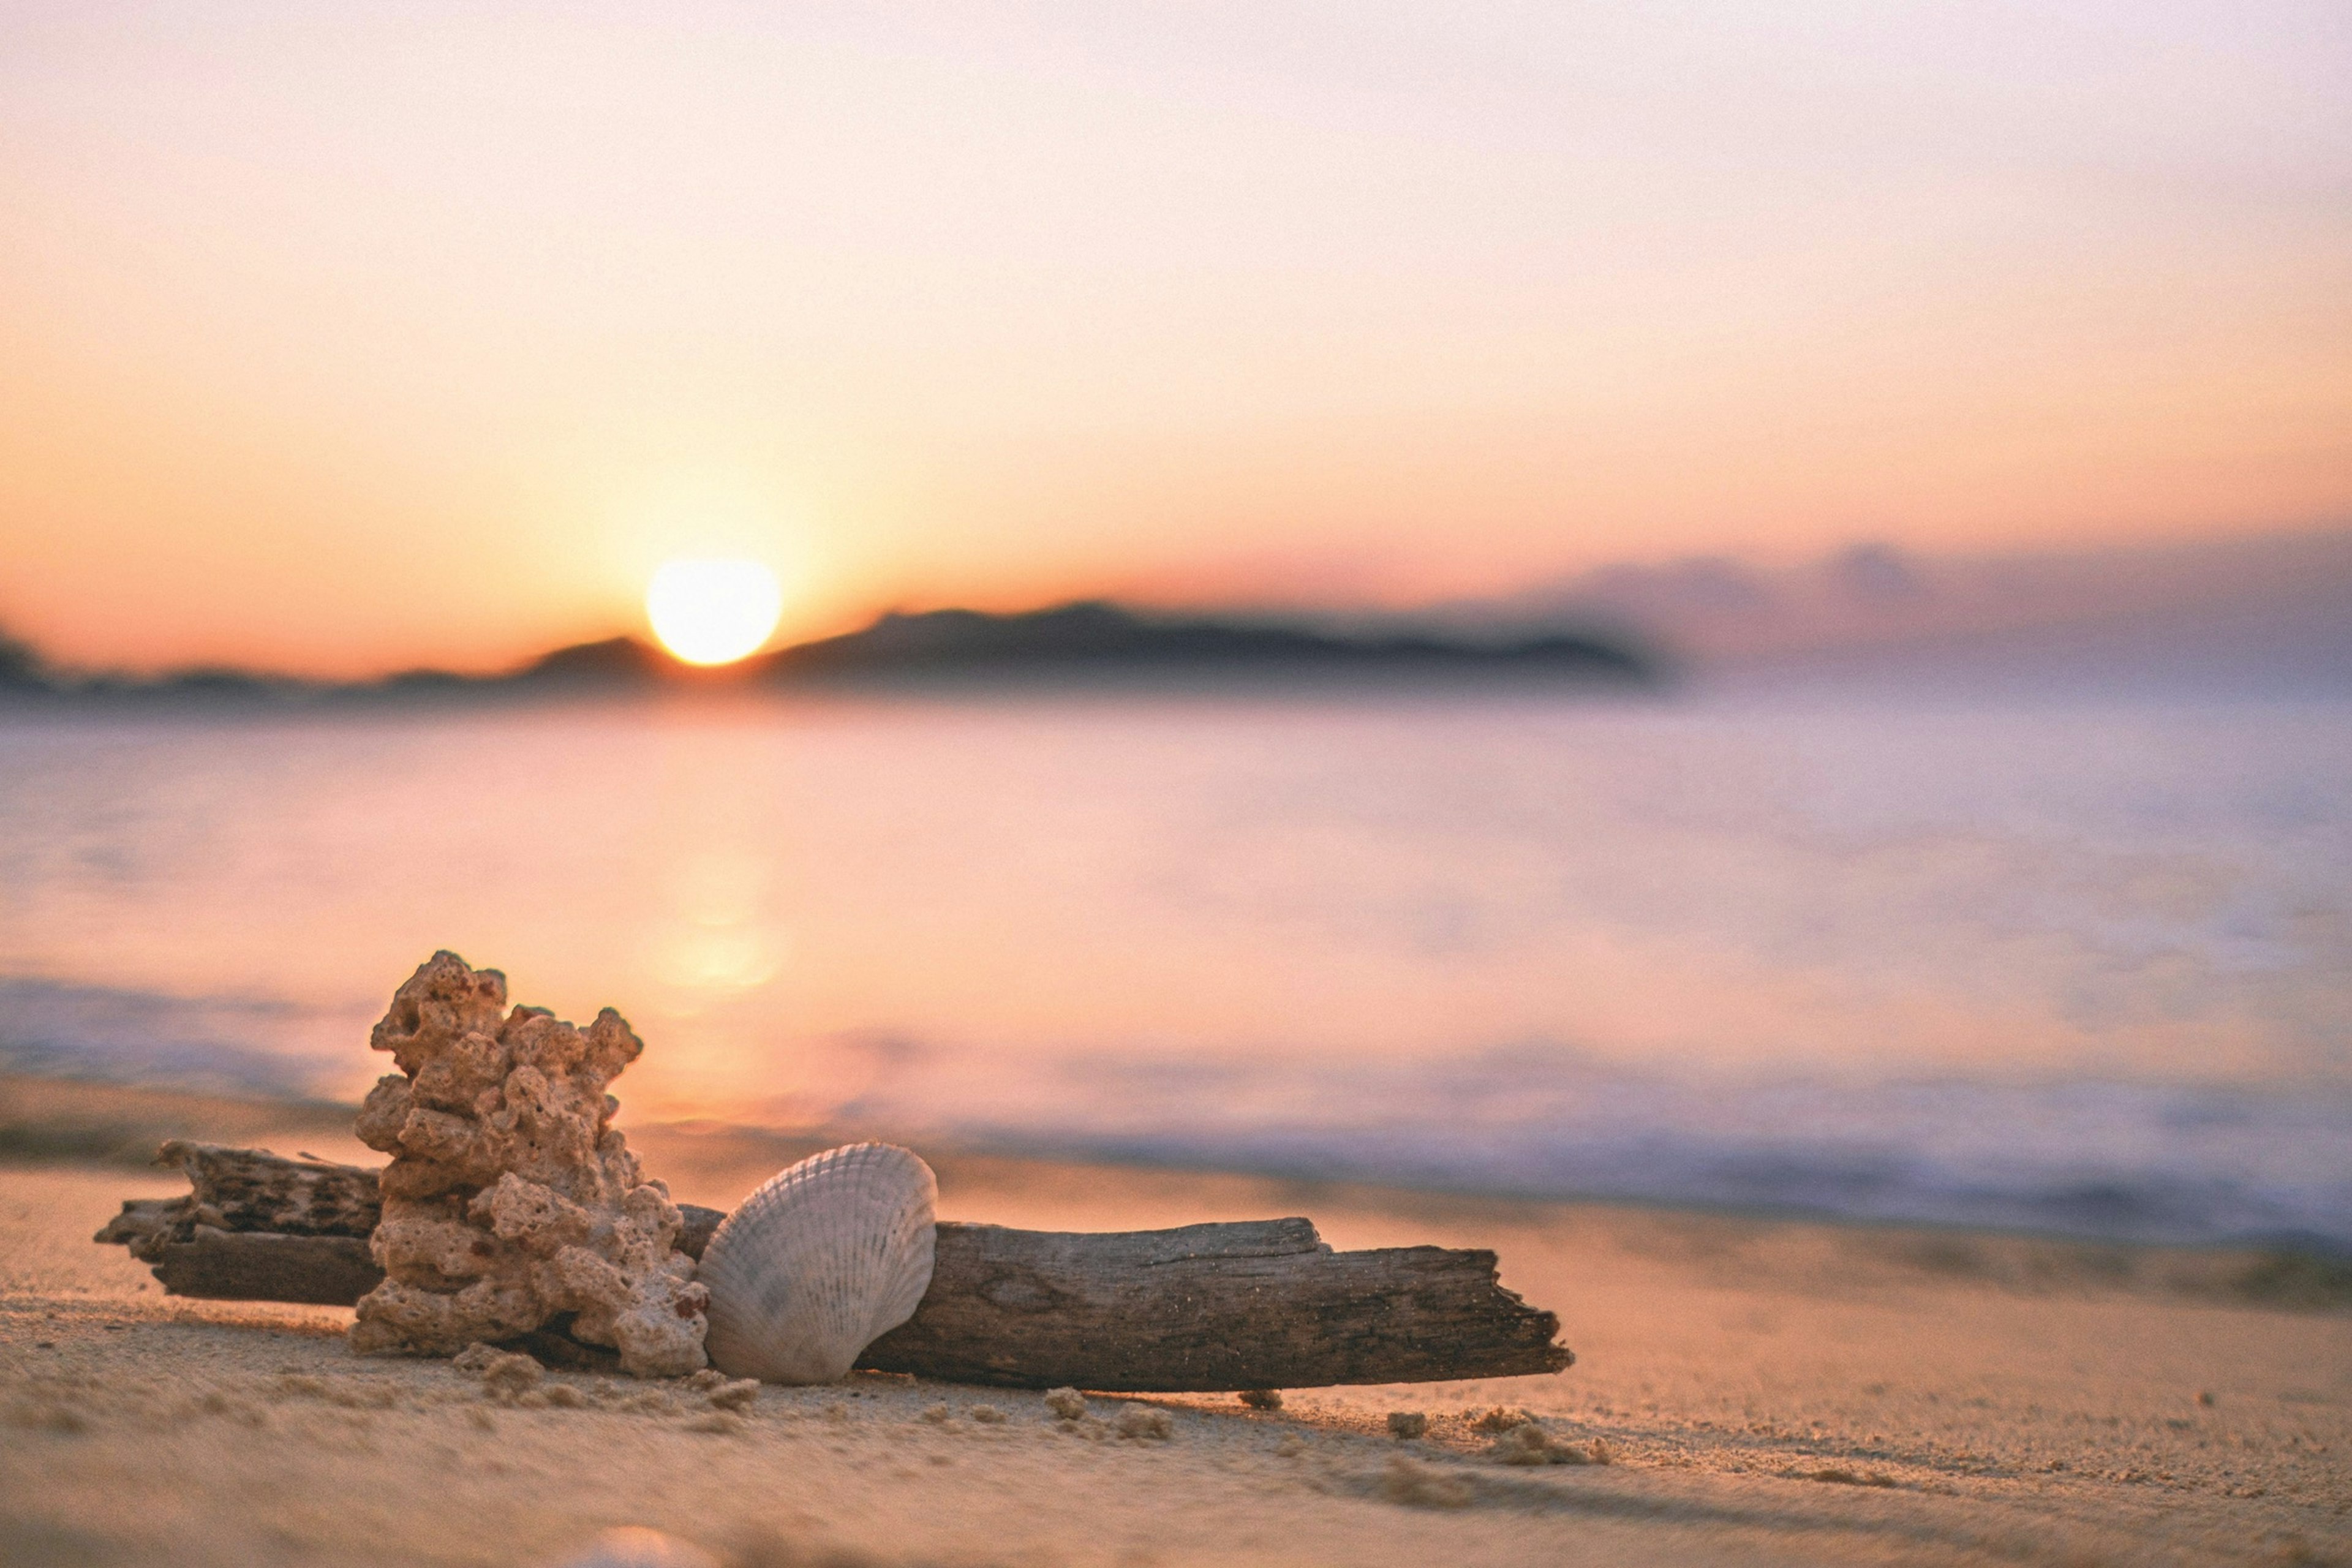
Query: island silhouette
point(1088, 643)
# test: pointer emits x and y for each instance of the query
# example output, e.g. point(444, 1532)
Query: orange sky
point(341, 338)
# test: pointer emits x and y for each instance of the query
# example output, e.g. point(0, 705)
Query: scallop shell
point(823, 1260)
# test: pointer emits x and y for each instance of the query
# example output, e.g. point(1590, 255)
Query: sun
point(713, 611)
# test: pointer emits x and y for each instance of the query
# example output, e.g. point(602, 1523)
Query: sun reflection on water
point(719, 936)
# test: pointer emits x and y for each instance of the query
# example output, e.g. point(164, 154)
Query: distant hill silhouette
point(1077, 643)
point(1094, 640)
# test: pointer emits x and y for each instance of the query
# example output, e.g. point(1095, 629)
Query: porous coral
point(511, 1199)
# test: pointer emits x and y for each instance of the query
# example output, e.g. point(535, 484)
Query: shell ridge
point(820, 1260)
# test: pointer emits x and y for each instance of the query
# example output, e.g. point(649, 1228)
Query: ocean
point(2079, 963)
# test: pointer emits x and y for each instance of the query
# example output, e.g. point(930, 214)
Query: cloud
point(2273, 606)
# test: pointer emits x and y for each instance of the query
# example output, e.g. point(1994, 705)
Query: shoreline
point(1770, 1391)
point(79, 1121)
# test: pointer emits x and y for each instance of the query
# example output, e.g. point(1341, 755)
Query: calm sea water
point(2080, 964)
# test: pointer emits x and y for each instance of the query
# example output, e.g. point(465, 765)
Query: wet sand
point(1769, 1392)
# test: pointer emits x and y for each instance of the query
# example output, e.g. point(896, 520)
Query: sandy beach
point(1651, 700)
point(1767, 1391)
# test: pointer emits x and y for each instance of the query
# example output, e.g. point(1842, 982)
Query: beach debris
point(735, 1393)
point(1417, 1485)
point(1530, 1444)
point(511, 1199)
point(1404, 1424)
point(823, 1259)
point(1241, 1305)
point(504, 1373)
point(1223, 1307)
point(1262, 1399)
point(1066, 1403)
point(255, 1227)
point(1146, 1422)
point(231, 1190)
point(986, 1414)
point(634, 1546)
point(1502, 1418)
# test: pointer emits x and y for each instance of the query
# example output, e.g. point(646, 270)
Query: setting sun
point(713, 611)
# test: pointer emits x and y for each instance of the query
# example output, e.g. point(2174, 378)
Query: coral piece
point(1530, 1444)
point(1501, 1418)
point(511, 1199)
point(1146, 1421)
point(740, 1393)
point(503, 1374)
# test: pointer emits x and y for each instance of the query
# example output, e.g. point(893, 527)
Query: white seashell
point(823, 1260)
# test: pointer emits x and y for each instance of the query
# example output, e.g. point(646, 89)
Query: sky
point(346, 339)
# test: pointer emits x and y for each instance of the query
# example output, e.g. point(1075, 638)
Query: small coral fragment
point(509, 1374)
point(1066, 1403)
point(1146, 1421)
point(510, 1198)
point(986, 1414)
point(1262, 1399)
point(1407, 1424)
point(740, 1393)
point(1501, 1418)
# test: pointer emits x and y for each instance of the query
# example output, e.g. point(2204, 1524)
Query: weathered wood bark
point(238, 1192)
point(255, 1227)
point(249, 1190)
point(694, 1234)
point(1256, 1304)
point(1249, 1304)
point(266, 1265)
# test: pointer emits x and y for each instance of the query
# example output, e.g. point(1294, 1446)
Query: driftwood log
point(1244, 1305)
point(255, 1227)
